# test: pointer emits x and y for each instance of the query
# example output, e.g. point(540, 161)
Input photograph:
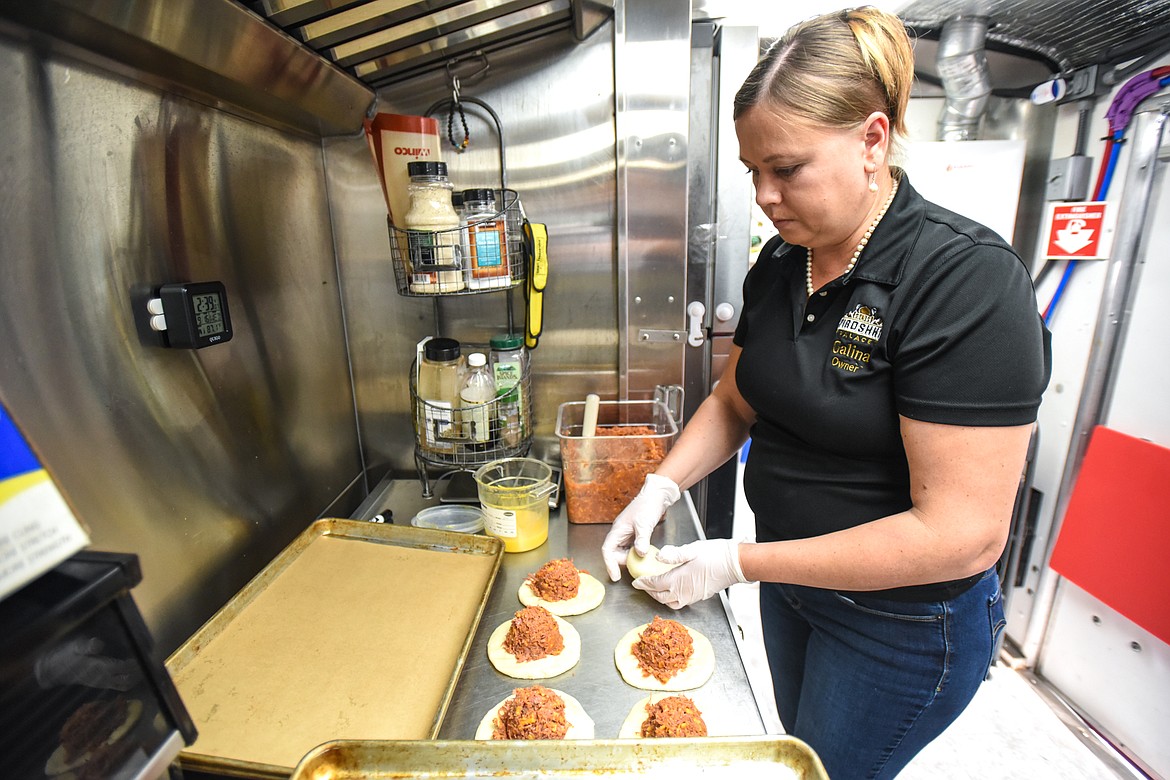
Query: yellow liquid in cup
point(520, 524)
point(514, 495)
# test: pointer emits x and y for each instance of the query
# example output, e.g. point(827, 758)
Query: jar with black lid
point(432, 230)
point(440, 377)
point(487, 240)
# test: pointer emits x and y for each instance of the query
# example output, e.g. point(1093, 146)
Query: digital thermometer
point(191, 315)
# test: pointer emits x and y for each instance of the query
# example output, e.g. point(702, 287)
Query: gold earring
point(873, 182)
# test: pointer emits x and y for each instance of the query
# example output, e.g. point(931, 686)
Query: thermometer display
point(192, 315)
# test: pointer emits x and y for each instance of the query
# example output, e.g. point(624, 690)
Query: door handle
point(695, 312)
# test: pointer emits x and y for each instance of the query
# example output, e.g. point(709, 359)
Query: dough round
point(58, 764)
point(647, 566)
point(540, 668)
point(590, 594)
point(580, 724)
point(632, 726)
point(700, 666)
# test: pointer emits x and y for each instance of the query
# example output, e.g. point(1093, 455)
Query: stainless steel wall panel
point(738, 53)
point(204, 463)
point(718, 246)
point(555, 101)
point(652, 89)
point(702, 173)
point(213, 50)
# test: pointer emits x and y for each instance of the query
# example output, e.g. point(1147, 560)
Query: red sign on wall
point(1081, 231)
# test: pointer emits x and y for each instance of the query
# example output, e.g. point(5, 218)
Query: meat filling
point(91, 724)
point(532, 713)
point(674, 716)
point(663, 649)
point(556, 581)
point(533, 634)
point(599, 484)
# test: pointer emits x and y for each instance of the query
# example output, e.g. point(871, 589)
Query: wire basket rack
point(485, 255)
point(464, 437)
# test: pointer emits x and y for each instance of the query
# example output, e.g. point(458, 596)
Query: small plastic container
point(459, 518)
point(604, 472)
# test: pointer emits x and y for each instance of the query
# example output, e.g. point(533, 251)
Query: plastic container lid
point(459, 518)
point(480, 195)
point(441, 350)
point(507, 341)
point(424, 168)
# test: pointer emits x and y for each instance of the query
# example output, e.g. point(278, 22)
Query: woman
point(888, 365)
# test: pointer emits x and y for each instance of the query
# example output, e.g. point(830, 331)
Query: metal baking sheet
point(355, 631)
point(741, 758)
point(727, 700)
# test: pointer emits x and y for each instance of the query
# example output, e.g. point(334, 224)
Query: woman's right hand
point(632, 528)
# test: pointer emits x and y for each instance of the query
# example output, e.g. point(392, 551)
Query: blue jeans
point(868, 682)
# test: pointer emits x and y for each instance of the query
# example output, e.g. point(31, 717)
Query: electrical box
point(1068, 178)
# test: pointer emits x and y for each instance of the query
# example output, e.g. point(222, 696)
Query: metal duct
point(962, 66)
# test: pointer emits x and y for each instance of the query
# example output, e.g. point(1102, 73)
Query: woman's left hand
point(707, 567)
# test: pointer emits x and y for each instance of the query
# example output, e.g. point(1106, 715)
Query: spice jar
point(432, 230)
point(487, 260)
point(440, 377)
point(509, 369)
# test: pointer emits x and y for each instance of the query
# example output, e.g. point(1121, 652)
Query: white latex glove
point(632, 528)
point(708, 566)
point(81, 662)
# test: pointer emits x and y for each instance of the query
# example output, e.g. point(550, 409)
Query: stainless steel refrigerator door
point(718, 238)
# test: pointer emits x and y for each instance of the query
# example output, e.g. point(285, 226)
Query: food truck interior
point(222, 160)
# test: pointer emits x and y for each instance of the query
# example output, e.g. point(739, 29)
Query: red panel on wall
point(1115, 539)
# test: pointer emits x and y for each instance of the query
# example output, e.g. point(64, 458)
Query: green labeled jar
point(509, 361)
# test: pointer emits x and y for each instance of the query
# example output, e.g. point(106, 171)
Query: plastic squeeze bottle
point(477, 411)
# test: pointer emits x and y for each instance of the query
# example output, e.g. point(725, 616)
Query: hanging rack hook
point(454, 79)
point(480, 67)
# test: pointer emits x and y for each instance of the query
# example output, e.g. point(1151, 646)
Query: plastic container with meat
point(605, 471)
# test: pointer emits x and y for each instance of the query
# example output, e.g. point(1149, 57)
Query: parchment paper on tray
point(355, 631)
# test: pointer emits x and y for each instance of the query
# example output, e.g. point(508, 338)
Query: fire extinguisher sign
point(1079, 231)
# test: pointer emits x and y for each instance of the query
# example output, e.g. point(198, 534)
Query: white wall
point(1113, 671)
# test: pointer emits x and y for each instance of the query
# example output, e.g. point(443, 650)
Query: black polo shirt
point(937, 321)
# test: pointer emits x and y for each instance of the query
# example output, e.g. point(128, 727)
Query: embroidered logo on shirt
point(857, 333)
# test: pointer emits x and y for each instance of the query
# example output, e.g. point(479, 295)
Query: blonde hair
point(836, 69)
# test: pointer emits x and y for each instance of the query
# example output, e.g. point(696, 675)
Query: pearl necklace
point(808, 282)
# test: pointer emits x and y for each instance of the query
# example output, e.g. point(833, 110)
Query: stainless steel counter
point(726, 700)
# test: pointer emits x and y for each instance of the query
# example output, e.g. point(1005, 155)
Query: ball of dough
point(648, 565)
